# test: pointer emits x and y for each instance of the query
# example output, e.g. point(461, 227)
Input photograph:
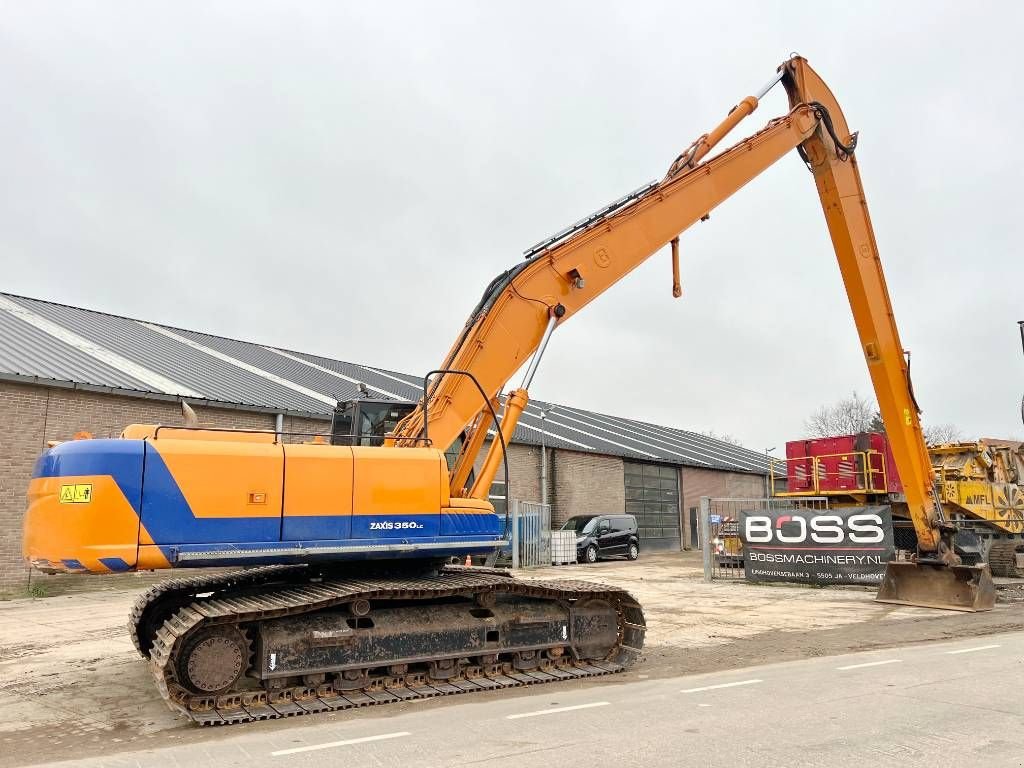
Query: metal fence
point(531, 534)
point(720, 533)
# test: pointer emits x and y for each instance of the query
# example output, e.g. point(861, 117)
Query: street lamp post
point(544, 456)
point(767, 472)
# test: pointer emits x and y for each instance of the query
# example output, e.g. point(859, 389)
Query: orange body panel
point(318, 480)
point(399, 481)
point(105, 526)
point(226, 479)
point(469, 506)
point(152, 559)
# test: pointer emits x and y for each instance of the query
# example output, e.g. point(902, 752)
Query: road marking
point(720, 685)
point(870, 664)
point(345, 743)
point(554, 710)
point(972, 650)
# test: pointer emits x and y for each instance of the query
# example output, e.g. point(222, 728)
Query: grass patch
point(38, 590)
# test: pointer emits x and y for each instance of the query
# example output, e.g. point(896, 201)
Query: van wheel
point(634, 551)
point(590, 555)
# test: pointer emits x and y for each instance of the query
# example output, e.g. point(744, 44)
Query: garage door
point(652, 496)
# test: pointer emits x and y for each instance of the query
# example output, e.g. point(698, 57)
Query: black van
point(600, 536)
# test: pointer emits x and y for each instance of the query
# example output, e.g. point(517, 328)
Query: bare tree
point(847, 417)
point(877, 425)
point(855, 414)
point(936, 434)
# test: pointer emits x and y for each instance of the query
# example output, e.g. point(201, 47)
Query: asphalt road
point(939, 704)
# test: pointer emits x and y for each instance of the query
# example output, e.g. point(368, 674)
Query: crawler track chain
point(246, 598)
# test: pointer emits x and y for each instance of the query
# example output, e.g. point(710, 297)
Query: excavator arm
point(560, 276)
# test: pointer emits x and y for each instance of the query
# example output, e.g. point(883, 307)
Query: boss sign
point(850, 545)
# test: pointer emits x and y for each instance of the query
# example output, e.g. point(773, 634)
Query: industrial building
point(67, 371)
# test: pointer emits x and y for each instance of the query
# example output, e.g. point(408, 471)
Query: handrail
point(865, 475)
point(276, 433)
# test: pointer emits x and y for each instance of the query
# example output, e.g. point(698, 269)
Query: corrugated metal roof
point(47, 341)
point(27, 350)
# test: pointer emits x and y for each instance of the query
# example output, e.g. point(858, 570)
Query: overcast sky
point(345, 178)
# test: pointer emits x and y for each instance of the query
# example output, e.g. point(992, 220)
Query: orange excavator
point(351, 604)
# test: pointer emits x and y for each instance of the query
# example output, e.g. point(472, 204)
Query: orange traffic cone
point(469, 561)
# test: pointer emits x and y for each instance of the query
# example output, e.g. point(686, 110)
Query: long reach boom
point(522, 306)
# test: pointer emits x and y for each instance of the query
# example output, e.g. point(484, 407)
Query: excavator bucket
point(955, 587)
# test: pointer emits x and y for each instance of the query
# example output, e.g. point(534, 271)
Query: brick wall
point(523, 465)
point(578, 483)
point(31, 415)
point(584, 483)
point(715, 483)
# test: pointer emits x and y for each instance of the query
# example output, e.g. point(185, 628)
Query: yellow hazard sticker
point(76, 494)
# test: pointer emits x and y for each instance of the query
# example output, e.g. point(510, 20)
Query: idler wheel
point(213, 660)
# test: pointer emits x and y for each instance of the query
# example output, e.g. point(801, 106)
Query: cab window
point(341, 431)
point(376, 420)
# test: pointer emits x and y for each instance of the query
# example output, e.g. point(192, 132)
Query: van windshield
point(581, 523)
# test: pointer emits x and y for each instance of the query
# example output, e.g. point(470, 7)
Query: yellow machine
point(353, 607)
point(982, 486)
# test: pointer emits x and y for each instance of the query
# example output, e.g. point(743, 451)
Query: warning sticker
point(76, 494)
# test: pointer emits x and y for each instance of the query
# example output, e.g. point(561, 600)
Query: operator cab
point(367, 421)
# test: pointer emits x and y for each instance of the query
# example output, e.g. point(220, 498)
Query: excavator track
point(282, 641)
point(1002, 558)
point(154, 606)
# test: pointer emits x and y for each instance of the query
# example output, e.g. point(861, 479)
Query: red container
point(853, 463)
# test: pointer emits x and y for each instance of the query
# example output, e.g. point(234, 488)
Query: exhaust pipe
point(936, 585)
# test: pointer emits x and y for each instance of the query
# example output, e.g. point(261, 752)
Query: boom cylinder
point(515, 404)
point(470, 449)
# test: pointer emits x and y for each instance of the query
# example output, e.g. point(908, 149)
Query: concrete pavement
point(936, 704)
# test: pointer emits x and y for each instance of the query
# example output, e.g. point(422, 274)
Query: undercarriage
point(288, 640)
point(976, 542)
point(1003, 551)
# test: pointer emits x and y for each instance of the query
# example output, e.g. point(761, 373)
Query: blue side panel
point(459, 524)
point(168, 517)
point(121, 459)
point(387, 527)
point(313, 527)
point(74, 565)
